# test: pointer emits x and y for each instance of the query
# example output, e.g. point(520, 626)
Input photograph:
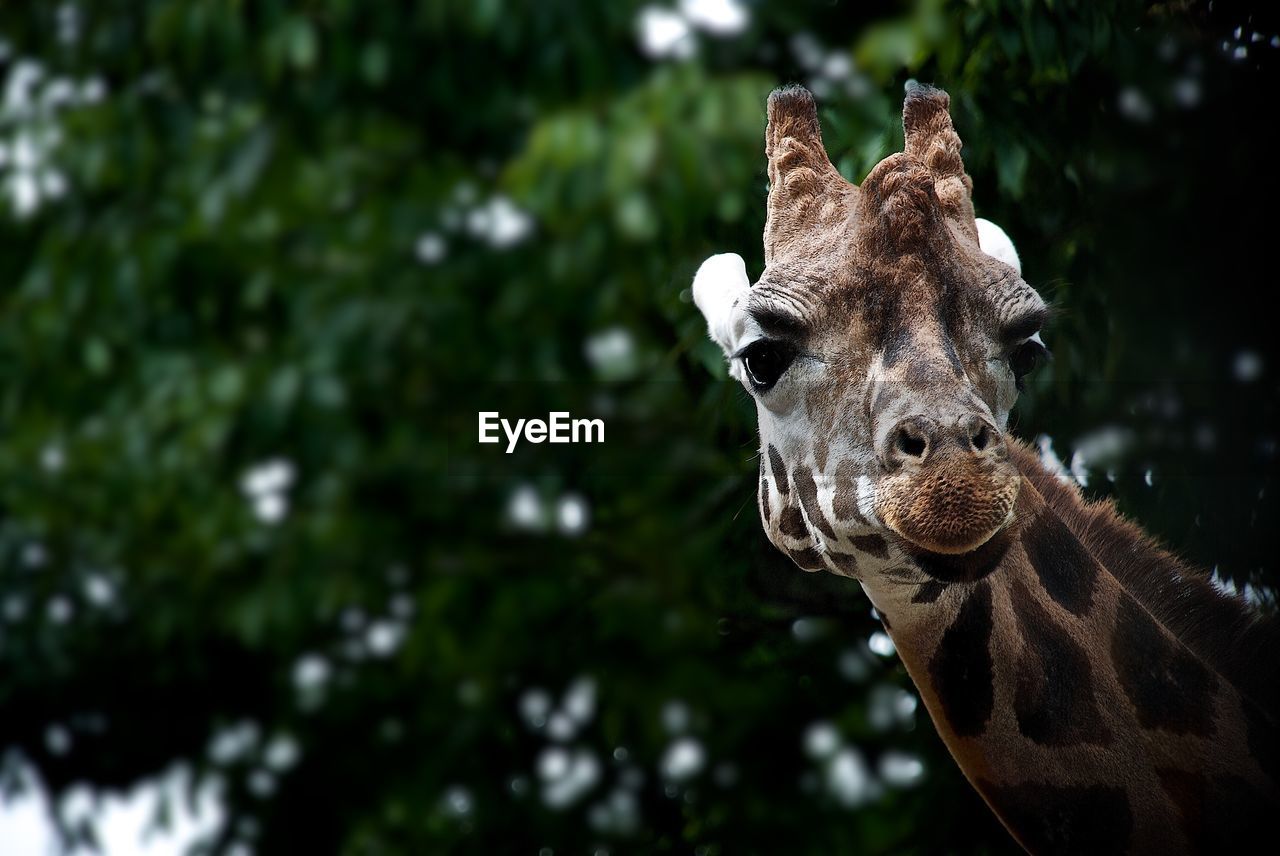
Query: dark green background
point(234, 275)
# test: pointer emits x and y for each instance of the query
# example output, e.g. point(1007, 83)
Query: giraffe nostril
point(910, 446)
point(979, 436)
point(910, 440)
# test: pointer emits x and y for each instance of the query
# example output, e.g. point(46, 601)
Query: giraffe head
point(884, 345)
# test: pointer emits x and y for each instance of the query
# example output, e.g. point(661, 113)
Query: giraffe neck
point(1092, 715)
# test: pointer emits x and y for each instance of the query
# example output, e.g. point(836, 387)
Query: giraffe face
point(884, 345)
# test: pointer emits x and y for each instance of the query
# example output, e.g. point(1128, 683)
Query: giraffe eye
point(1024, 358)
point(766, 360)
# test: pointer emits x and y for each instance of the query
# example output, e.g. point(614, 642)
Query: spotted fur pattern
point(1069, 698)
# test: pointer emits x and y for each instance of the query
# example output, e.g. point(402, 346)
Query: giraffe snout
point(948, 484)
point(917, 440)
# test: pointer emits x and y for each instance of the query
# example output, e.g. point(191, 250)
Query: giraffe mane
point(1228, 634)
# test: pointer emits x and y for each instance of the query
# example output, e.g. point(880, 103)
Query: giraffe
point(1100, 695)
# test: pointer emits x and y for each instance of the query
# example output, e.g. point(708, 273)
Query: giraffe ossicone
point(1098, 693)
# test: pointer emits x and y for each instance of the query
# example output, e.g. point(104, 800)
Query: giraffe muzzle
point(947, 488)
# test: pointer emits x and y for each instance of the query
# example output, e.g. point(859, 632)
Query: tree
point(264, 263)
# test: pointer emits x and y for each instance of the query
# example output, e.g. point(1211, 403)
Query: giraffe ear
point(932, 140)
point(718, 287)
point(995, 243)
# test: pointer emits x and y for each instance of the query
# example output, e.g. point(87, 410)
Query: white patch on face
point(995, 243)
point(826, 501)
point(867, 500)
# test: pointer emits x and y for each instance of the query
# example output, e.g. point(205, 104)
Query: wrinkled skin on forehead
point(882, 343)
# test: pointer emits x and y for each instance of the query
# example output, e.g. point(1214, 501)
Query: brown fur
point(1223, 630)
point(1077, 741)
point(932, 140)
point(806, 193)
point(951, 506)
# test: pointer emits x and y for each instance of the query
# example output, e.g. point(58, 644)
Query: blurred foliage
point(262, 264)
